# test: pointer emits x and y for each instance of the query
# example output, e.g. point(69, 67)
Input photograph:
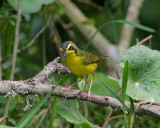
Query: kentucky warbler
point(79, 62)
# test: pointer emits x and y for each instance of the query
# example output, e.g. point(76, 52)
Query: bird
point(80, 63)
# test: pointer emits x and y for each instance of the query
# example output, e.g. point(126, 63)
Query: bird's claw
point(88, 96)
point(68, 90)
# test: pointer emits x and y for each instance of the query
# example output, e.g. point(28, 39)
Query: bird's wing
point(89, 58)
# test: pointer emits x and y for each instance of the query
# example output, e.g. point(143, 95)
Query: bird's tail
point(101, 59)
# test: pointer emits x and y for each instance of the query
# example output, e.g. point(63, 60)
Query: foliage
point(124, 87)
point(144, 65)
point(23, 122)
point(143, 72)
point(30, 6)
point(68, 110)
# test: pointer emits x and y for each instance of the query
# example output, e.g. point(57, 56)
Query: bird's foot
point(88, 96)
point(68, 90)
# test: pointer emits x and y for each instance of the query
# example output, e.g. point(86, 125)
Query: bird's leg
point(85, 83)
point(70, 87)
point(89, 92)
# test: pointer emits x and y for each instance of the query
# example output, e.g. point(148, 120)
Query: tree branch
point(35, 85)
point(127, 30)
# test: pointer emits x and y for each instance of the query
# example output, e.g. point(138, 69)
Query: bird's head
point(68, 47)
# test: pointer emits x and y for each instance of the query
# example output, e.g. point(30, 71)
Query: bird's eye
point(71, 48)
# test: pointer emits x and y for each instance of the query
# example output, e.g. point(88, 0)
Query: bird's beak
point(65, 52)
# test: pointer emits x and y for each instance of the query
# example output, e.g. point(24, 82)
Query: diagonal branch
point(50, 68)
point(127, 30)
point(32, 42)
point(35, 86)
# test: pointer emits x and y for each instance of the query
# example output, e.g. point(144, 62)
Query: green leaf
point(131, 110)
point(139, 26)
point(69, 111)
point(30, 6)
point(53, 112)
point(23, 122)
point(124, 86)
point(13, 103)
point(12, 22)
point(75, 126)
point(112, 93)
point(144, 73)
point(142, 27)
point(13, 17)
point(4, 126)
point(46, 2)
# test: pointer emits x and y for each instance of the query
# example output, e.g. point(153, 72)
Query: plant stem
point(16, 41)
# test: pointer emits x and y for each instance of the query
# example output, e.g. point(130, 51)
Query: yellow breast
point(77, 66)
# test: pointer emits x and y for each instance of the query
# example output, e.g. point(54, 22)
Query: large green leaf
point(30, 6)
point(69, 111)
point(144, 73)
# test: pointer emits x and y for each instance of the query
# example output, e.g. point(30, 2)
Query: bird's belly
point(77, 66)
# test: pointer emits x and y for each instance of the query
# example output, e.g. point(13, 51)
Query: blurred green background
point(62, 27)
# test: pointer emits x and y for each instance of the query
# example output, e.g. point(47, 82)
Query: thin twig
point(111, 111)
point(42, 112)
point(6, 118)
point(132, 120)
point(16, 42)
point(42, 118)
point(144, 40)
point(137, 40)
point(36, 36)
point(117, 72)
point(115, 117)
point(108, 118)
point(32, 42)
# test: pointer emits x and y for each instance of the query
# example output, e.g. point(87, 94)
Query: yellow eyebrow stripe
point(61, 49)
point(68, 47)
